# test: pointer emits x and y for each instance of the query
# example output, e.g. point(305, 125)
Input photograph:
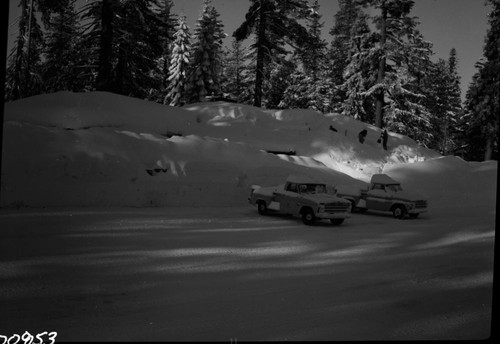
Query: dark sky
point(459, 24)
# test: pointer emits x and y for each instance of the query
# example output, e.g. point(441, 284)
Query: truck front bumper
point(417, 210)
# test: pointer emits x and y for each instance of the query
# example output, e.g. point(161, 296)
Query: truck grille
point(336, 207)
point(421, 204)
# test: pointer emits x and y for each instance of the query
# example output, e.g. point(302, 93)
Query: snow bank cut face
point(103, 149)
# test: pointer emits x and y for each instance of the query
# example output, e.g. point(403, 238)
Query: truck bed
point(349, 190)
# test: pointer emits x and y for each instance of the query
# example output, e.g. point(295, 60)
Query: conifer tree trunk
point(18, 90)
point(103, 81)
point(491, 132)
point(489, 149)
point(381, 71)
point(259, 75)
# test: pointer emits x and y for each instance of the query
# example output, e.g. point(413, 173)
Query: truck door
point(377, 198)
point(288, 198)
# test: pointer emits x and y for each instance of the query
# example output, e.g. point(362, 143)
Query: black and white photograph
point(248, 170)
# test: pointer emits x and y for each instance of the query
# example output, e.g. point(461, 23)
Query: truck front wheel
point(399, 211)
point(262, 207)
point(308, 217)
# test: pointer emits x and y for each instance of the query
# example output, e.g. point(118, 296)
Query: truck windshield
point(312, 188)
point(394, 187)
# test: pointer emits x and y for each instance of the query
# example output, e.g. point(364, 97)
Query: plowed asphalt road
point(228, 274)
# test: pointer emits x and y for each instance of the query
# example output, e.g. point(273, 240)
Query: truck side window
point(378, 187)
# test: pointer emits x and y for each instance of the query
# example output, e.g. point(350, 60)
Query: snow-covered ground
point(87, 151)
point(101, 149)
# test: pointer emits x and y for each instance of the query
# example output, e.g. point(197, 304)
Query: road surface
point(228, 274)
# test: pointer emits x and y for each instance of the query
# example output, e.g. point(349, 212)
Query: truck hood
point(324, 198)
point(410, 196)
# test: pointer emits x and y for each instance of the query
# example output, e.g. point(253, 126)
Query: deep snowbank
point(102, 149)
point(450, 180)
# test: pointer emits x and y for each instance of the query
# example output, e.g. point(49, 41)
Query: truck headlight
point(411, 206)
point(321, 208)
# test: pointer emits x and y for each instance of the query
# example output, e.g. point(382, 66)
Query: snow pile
point(450, 180)
point(102, 149)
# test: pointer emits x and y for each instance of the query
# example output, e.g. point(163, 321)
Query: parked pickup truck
point(384, 194)
point(302, 197)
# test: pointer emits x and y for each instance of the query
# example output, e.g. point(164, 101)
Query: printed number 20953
point(28, 338)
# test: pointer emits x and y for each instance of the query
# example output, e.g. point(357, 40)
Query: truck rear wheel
point(262, 207)
point(399, 211)
point(308, 217)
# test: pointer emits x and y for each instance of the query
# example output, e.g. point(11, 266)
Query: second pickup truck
point(384, 194)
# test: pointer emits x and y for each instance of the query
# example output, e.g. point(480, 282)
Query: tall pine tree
point(103, 14)
point(167, 33)
point(273, 23)
point(166, 37)
point(177, 74)
point(455, 110)
point(139, 43)
point(235, 71)
point(439, 86)
point(124, 39)
point(356, 75)
point(349, 22)
point(306, 92)
point(60, 68)
point(206, 55)
point(309, 85)
point(396, 61)
point(277, 83)
point(313, 52)
point(23, 74)
point(483, 97)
